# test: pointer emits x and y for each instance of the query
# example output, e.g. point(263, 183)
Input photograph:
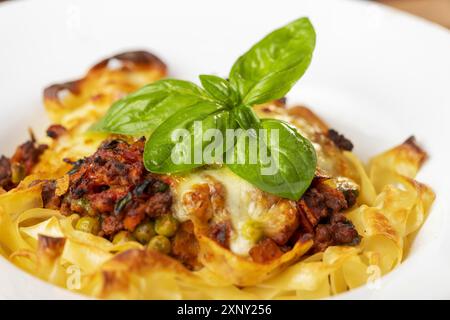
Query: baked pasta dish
point(101, 207)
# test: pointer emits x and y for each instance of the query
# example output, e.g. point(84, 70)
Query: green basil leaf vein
point(144, 110)
point(158, 149)
point(273, 65)
point(219, 89)
point(245, 117)
point(296, 162)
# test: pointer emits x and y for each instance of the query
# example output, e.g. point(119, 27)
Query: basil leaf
point(288, 168)
point(245, 117)
point(219, 89)
point(158, 149)
point(272, 66)
point(144, 110)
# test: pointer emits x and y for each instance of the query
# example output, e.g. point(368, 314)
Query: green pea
point(252, 231)
point(166, 225)
point(160, 243)
point(88, 224)
point(144, 232)
point(122, 237)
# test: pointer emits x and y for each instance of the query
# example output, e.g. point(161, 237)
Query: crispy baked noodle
point(233, 241)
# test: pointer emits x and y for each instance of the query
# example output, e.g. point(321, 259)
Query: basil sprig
point(266, 72)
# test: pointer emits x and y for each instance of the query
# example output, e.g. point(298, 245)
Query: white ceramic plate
point(377, 75)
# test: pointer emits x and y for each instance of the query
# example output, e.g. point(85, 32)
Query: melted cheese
point(252, 213)
point(237, 202)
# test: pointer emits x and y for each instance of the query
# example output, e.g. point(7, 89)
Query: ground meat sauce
point(220, 232)
point(113, 185)
point(265, 251)
point(55, 131)
point(320, 211)
point(340, 141)
point(321, 218)
point(5, 173)
point(13, 170)
point(27, 155)
point(49, 199)
point(337, 231)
